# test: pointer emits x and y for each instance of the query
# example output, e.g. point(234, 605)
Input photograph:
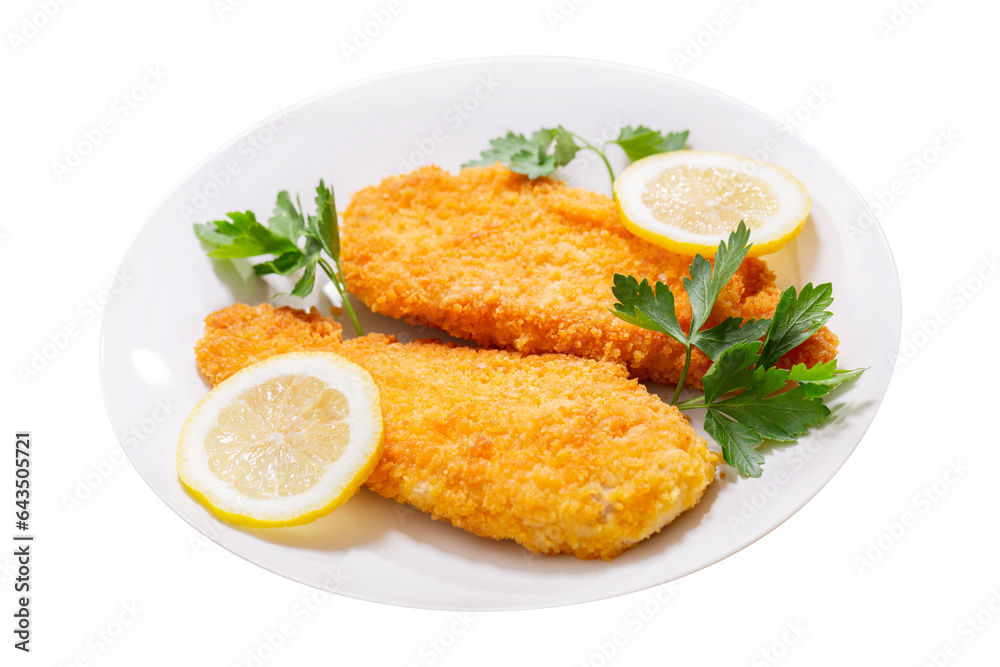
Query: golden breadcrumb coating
point(241, 335)
point(493, 257)
point(560, 453)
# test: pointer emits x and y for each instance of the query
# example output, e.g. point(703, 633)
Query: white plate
point(375, 549)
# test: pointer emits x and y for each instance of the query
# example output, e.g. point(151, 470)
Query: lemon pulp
point(279, 438)
point(709, 200)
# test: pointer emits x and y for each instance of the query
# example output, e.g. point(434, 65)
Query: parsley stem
point(589, 145)
point(680, 382)
point(341, 289)
point(697, 402)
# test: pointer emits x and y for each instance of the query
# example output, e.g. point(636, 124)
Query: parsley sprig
point(550, 148)
point(747, 398)
point(296, 242)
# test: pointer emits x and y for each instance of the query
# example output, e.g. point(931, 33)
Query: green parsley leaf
point(782, 416)
point(730, 331)
point(531, 156)
point(822, 378)
point(247, 238)
point(532, 165)
point(324, 227)
point(543, 139)
point(738, 443)
point(283, 265)
point(732, 371)
point(519, 154)
point(796, 318)
point(705, 284)
point(295, 243)
point(766, 381)
point(642, 142)
point(816, 373)
point(286, 219)
point(502, 149)
point(566, 148)
point(208, 233)
point(640, 305)
point(304, 286)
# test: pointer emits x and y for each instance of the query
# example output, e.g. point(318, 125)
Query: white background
point(842, 582)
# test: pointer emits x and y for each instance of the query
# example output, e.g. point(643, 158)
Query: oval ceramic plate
point(375, 549)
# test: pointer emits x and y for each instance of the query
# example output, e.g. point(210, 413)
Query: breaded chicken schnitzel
point(560, 453)
point(241, 335)
point(493, 257)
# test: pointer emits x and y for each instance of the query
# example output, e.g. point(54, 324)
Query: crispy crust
point(241, 335)
point(560, 453)
point(504, 261)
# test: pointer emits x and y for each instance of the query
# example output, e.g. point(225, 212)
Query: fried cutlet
point(241, 335)
point(493, 257)
point(560, 453)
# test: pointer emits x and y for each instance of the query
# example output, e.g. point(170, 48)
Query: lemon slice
point(688, 201)
point(282, 442)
